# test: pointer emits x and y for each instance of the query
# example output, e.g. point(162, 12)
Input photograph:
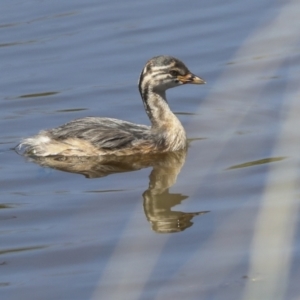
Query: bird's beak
point(190, 78)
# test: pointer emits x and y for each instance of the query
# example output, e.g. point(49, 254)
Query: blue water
point(64, 236)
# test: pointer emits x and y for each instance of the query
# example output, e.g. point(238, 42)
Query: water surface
point(219, 222)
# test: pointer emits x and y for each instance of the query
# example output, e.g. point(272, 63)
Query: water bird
point(96, 136)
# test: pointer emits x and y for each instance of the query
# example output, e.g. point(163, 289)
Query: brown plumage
point(92, 136)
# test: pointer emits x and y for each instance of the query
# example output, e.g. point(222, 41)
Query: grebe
point(92, 136)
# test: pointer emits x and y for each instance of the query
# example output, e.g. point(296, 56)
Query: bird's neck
point(157, 107)
point(163, 120)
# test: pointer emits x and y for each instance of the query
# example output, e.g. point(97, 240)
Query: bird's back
point(91, 136)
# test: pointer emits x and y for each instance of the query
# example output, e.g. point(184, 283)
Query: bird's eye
point(174, 73)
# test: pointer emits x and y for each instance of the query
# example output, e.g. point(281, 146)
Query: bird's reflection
point(158, 201)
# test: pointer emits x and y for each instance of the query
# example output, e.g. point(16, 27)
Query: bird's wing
point(104, 133)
